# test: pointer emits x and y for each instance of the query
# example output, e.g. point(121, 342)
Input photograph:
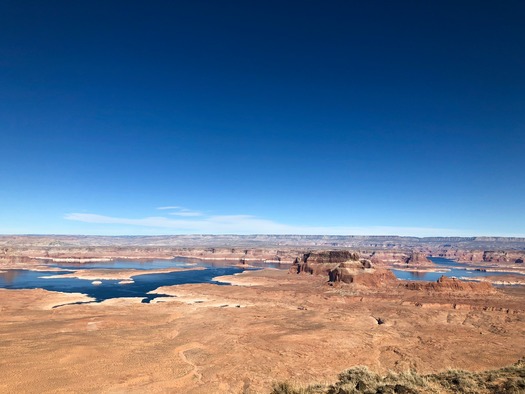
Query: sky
point(249, 117)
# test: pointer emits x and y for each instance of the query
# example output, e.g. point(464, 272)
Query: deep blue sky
point(371, 117)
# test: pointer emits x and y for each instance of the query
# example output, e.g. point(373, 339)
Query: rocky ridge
point(402, 252)
point(342, 267)
point(445, 284)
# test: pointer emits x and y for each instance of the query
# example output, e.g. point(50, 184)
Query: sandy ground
point(270, 326)
point(117, 274)
point(506, 280)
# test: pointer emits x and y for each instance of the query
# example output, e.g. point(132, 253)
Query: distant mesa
point(417, 258)
point(320, 263)
point(347, 267)
point(444, 284)
point(343, 267)
point(333, 256)
point(382, 251)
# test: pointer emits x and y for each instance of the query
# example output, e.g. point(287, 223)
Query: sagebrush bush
point(360, 380)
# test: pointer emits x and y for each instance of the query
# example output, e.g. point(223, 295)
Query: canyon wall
point(381, 251)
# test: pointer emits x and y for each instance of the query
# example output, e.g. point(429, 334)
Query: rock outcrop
point(384, 251)
point(333, 256)
point(369, 277)
point(416, 258)
point(321, 263)
point(342, 267)
point(445, 284)
point(482, 256)
point(389, 258)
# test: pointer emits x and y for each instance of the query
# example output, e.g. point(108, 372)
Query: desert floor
point(269, 326)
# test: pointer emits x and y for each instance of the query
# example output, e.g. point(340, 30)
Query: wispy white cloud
point(180, 211)
point(186, 213)
point(248, 224)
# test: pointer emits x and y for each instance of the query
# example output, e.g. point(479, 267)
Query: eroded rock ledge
point(343, 266)
point(348, 267)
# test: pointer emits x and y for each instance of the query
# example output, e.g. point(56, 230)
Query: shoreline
point(118, 274)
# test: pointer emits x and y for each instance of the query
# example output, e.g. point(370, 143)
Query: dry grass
point(509, 380)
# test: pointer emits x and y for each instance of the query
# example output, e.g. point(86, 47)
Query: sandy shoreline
point(41, 299)
point(75, 260)
point(503, 280)
point(117, 274)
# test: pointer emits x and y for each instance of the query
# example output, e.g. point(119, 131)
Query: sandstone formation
point(332, 256)
point(417, 258)
point(482, 256)
point(318, 263)
point(361, 275)
point(342, 267)
point(445, 284)
point(405, 258)
point(387, 257)
point(381, 250)
point(361, 242)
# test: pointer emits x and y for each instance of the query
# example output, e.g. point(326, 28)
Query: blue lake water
point(27, 279)
point(451, 268)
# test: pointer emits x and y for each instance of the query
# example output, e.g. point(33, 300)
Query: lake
point(27, 279)
point(450, 268)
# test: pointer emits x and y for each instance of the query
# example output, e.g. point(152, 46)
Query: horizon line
point(255, 234)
